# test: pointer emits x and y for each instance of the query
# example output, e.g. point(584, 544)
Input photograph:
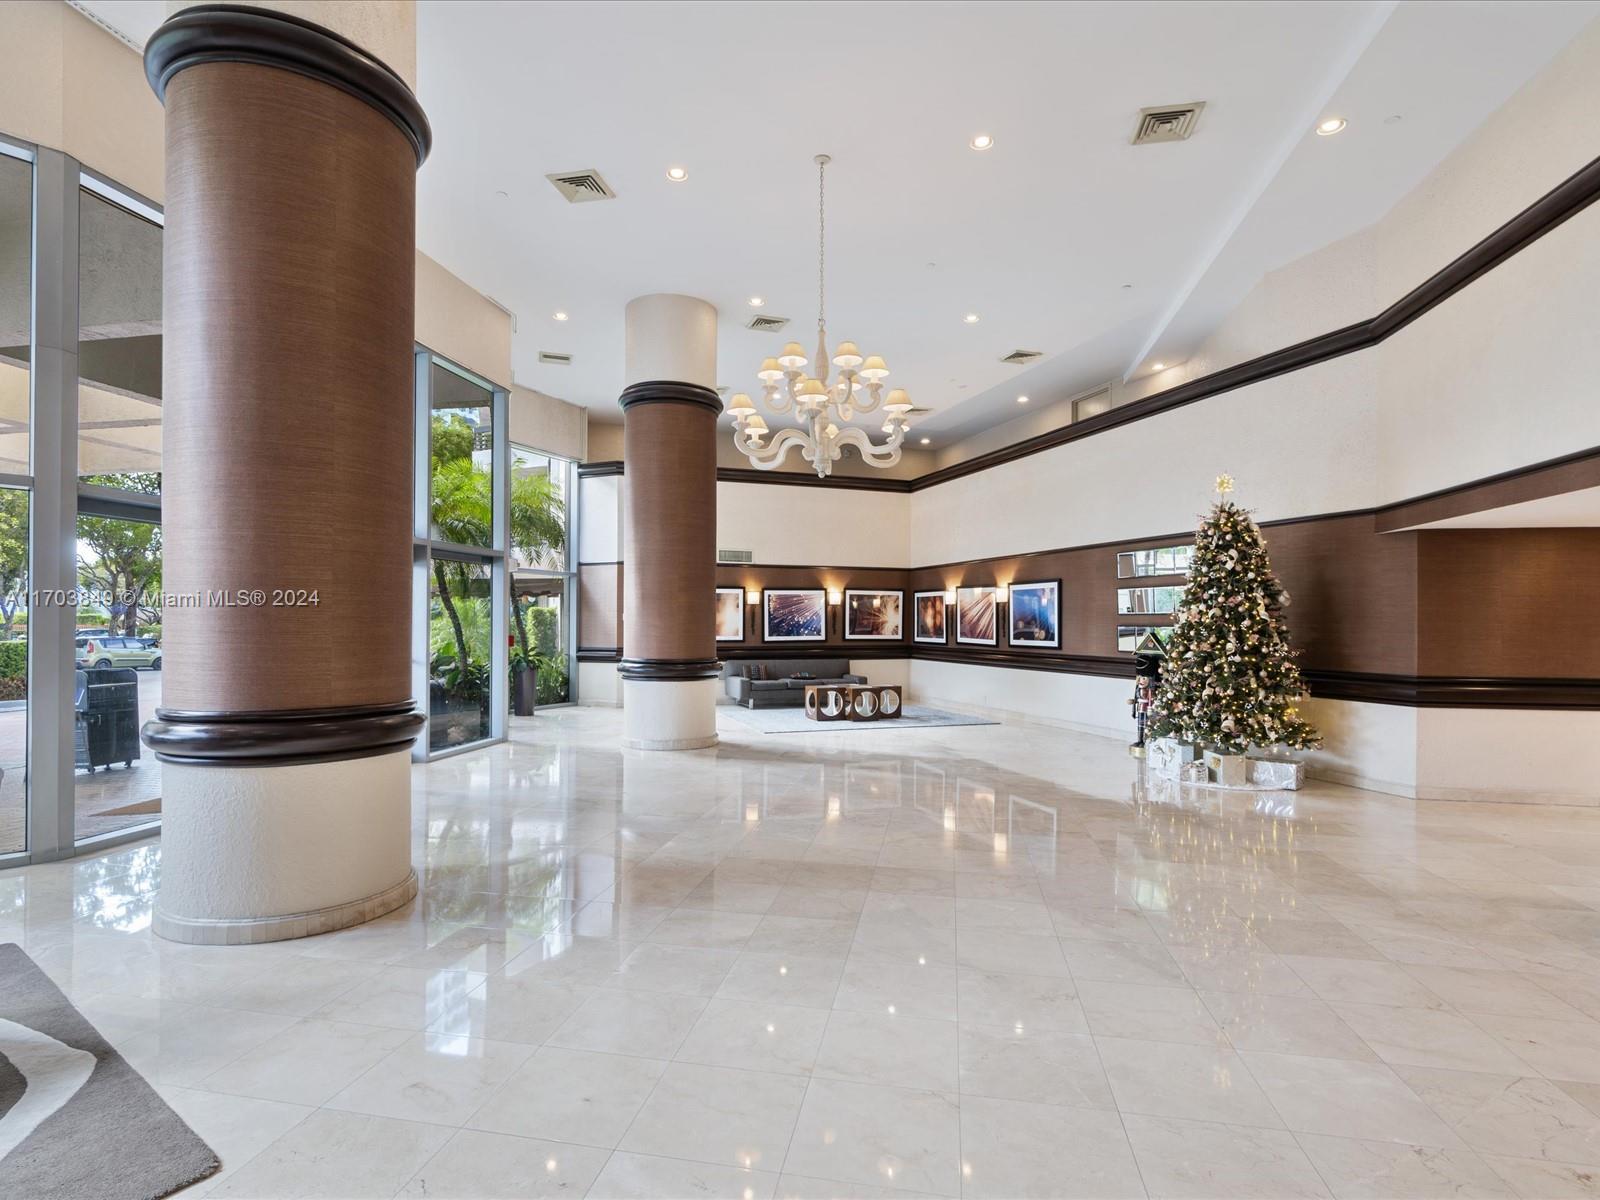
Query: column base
point(259, 854)
point(669, 714)
point(203, 931)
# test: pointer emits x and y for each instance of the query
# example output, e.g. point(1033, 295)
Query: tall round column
point(287, 477)
point(670, 407)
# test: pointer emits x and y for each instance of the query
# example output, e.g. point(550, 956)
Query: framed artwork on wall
point(794, 615)
point(975, 616)
point(928, 617)
point(1036, 614)
point(874, 614)
point(730, 614)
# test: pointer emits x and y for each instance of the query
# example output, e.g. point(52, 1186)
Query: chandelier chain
point(822, 239)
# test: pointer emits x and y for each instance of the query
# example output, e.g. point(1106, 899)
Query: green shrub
point(13, 662)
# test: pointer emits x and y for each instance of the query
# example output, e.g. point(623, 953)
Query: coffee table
point(853, 701)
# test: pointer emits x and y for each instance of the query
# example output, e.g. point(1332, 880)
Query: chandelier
point(820, 406)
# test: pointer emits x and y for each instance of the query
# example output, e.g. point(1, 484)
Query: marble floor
point(982, 962)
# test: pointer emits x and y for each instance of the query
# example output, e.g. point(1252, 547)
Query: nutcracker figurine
point(1148, 656)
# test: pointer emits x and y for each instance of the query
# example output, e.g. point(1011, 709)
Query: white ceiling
point(1038, 235)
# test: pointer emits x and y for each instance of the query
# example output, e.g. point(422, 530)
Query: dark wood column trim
point(669, 391)
point(275, 739)
point(209, 33)
point(669, 668)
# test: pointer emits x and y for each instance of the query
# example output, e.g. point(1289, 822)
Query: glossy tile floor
point(976, 961)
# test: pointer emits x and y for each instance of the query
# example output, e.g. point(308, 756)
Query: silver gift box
point(1289, 776)
point(1166, 757)
point(1193, 772)
point(1229, 770)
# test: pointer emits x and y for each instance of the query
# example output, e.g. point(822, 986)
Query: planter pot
point(524, 691)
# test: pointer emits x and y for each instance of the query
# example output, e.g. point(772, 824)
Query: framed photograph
point(730, 614)
point(795, 615)
point(1036, 614)
point(928, 617)
point(872, 614)
point(976, 610)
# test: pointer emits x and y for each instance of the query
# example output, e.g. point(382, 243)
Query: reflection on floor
point(971, 961)
point(108, 801)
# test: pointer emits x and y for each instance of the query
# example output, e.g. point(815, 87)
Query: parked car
point(116, 651)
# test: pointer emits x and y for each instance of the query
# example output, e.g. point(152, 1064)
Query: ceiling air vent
point(1167, 123)
point(762, 323)
point(1017, 357)
point(736, 556)
point(555, 360)
point(581, 186)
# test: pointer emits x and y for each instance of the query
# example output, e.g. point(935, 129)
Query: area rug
point(794, 720)
point(76, 1121)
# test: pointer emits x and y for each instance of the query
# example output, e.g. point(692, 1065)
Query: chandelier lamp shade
point(820, 405)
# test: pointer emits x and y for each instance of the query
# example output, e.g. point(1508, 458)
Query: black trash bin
point(107, 724)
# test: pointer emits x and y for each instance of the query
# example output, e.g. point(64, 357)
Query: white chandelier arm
point(771, 456)
point(879, 456)
point(777, 401)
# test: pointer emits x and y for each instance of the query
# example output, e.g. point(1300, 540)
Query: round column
point(670, 407)
point(287, 478)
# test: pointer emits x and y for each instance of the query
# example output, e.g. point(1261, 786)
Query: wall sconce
point(1002, 593)
point(835, 598)
point(753, 596)
point(949, 595)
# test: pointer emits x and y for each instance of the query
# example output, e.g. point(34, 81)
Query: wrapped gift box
point(1229, 770)
point(1193, 771)
point(1166, 757)
point(1290, 776)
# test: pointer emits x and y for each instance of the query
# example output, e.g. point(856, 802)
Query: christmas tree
point(1229, 681)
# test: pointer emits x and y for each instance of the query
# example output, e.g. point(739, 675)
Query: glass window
point(119, 346)
point(540, 485)
point(16, 313)
point(1149, 599)
point(539, 635)
point(118, 681)
point(13, 670)
point(462, 460)
point(459, 636)
point(1168, 560)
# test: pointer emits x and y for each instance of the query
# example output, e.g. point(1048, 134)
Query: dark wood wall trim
point(1550, 211)
point(209, 33)
point(1563, 202)
point(1553, 477)
point(859, 483)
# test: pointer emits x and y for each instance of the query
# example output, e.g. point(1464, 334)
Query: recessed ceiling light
point(677, 174)
point(560, 316)
point(982, 142)
point(1331, 126)
point(971, 318)
point(1022, 399)
point(926, 441)
point(1158, 366)
point(757, 301)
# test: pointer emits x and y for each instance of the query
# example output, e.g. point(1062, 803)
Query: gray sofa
point(781, 688)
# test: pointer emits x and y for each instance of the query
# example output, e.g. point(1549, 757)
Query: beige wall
point(459, 323)
point(542, 422)
point(68, 84)
point(605, 441)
